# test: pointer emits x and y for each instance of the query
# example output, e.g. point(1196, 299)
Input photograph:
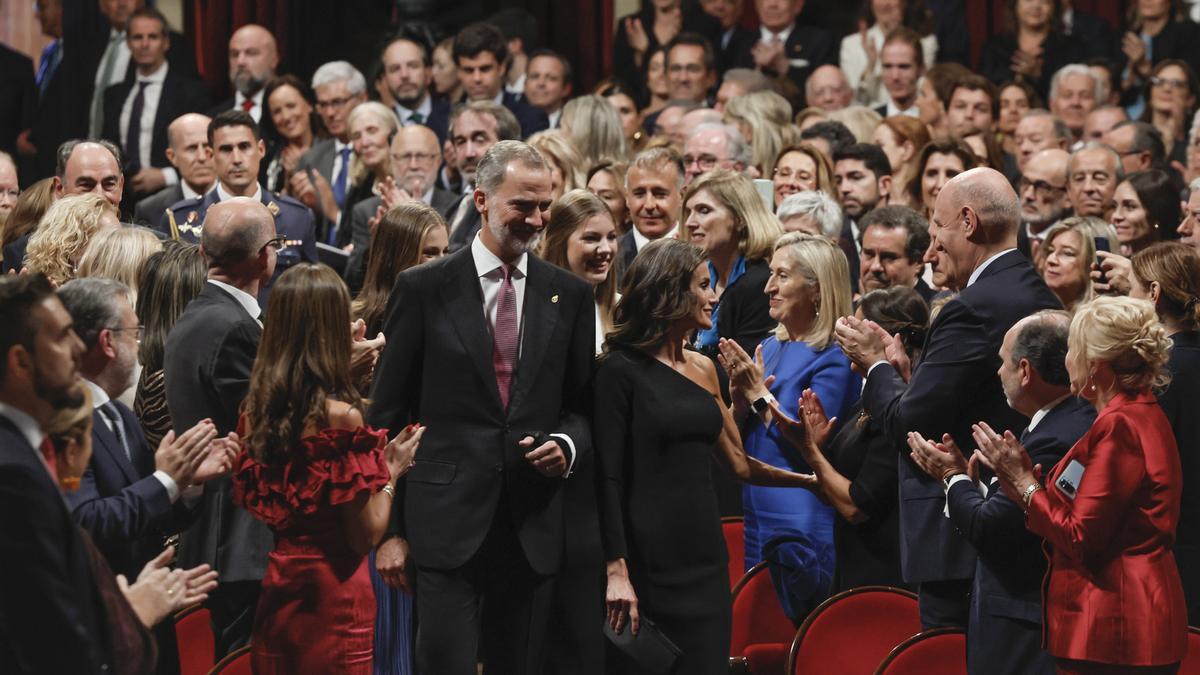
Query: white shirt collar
point(554, 118)
point(222, 195)
point(486, 262)
point(188, 192)
point(239, 97)
point(29, 428)
point(427, 197)
point(247, 301)
point(99, 396)
point(912, 111)
point(338, 145)
point(157, 76)
point(765, 35)
point(424, 108)
point(517, 87)
point(982, 266)
point(499, 99)
point(640, 240)
point(1037, 416)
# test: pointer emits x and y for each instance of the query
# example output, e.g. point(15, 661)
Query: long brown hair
point(395, 247)
point(568, 214)
point(1176, 268)
point(170, 279)
point(297, 371)
point(656, 292)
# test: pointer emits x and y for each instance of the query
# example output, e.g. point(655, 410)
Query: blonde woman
point(592, 124)
point(860, 120)
point(582, 237)
point(64, 232)
point(725, 217)
point(1066, 256)
point(119, 254)
point(566, 164)
point(761, 116)
point(808, 292)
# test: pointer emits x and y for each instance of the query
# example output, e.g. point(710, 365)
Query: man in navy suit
point(786, 47)
point(974, 233)
point(1004, 633)
point(408, 69)
point(482, 57)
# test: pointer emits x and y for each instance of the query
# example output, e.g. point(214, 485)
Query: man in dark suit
point(974, 236)
point(474, 128)
point(18, 97)
point(191, 155)
point(502, 399)
point(138, 112)
point(1004, 633)
point(408, 69)
point(207, 361)
point(903, 62)
point(481, 56)
point(894, 240)
point(653, 191)
point(237, 152)
point(52, 619)
point(785, 47)
point(1043, 193)
point(863, 178)
point(253, 58)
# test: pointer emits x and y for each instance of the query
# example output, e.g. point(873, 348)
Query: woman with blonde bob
point(807, 293)
point(409, 234)
point(592, 124)
point(566, 164)
point(120, 254)
point(60, 239)
point(725, 217)
point(1067, 254)
point(1109, 509)
point(582, 237)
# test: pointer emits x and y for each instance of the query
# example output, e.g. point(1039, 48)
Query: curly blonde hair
point(63, 234)
point(1126, 334)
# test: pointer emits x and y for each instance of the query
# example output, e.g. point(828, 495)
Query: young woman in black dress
point(659, 415)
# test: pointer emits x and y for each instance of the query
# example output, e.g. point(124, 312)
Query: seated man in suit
point(52, 620)
point(474, 128)
point(1043, 192)
point(482, 59)
point(894, 240)
point(407, 65)
point(1004, 634)
point(237, 152)
point(738, 82)
point(137, 112)
point(253, 58)
point(828, 89)
point(974, 236)
point(548, 83)
point(786, 48)
point(131, 498)
point(714, 146)
point(903, 62)
point(191, 155)
point(654, 193)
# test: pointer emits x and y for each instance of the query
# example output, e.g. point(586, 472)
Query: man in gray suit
point(191, 155)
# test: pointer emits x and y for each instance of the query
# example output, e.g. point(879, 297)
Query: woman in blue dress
point(808, 291)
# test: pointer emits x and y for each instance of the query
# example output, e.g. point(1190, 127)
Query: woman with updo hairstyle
point(565, 163)
point(659, 418)
point(592, 125)
point(798, 168)
point(1168, 275)
point(623, 99)
point(901, 138)
point(1147, 210)
point(409, 234)
point(939, 161)
point(1112, 598)
point(66, 228)
point(1067, 254)
point(581, 237)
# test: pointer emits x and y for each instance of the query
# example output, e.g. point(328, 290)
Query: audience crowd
point(454, 362)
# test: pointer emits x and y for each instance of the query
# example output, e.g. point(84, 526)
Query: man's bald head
point(415, 158)
point(828, 89)
point(188, 150)
point(184, 123)
point(989, 194)
point(975, 216)
point(234, 238)
point(253, 58)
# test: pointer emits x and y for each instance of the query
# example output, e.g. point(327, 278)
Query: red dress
point(316, 610)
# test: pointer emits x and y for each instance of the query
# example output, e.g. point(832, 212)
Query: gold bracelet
point(389, 490)
point(1027, 495)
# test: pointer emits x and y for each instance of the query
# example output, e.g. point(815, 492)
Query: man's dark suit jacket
point(1005, 630)
point(531, 119)
point(626, 252)
point(1179, 404)
point(464, 234)
point(961, 354)
point(360, 231)
point(439, 118)
point(437, 368)
point(18, 97)
point(51, 616)
point(151, 210)
point(179, 95)
point(807, 48)
point(207, 363)
point(119, 501)
point(850, 248)
point(1095, 36)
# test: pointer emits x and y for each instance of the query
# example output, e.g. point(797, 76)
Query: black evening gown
point(655, 430)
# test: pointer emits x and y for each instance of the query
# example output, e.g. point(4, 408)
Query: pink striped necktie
point(505, 337)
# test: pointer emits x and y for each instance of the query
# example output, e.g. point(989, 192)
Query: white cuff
point(570, 448)
point(957, 478)
point(170, 176)
point(873, 365)
point(169, 484)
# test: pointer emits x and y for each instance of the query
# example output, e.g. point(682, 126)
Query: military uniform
point(293, 221)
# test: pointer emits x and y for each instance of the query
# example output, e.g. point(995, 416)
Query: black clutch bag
point(650, 649)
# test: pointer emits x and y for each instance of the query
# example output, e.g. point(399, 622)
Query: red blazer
point(1112, 593)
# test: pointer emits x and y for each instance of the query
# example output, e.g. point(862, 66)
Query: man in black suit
point(654, 193)
point(17, 97)
point(253, 58)
point(408, 69)
point(138, 112)
point(894, 240)
point(52, 620)
point(481, 56)
point(1004, 633)
point(1043, 193)
point(474, 128)
point(208, 357)
point(863, 177)
point(974, 236)
point(191, 155)
point(785, 47)
point(503, 400)
point(903, 61)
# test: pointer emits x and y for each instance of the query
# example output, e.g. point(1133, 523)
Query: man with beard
point(863, 177)
point(894, 239)
point(512, 340)
point(474, 128)
point(53, 619)
point(408, 69)
point(253, 58)
point(1043, 193)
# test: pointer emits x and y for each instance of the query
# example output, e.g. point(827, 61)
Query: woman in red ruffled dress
point(319, 477)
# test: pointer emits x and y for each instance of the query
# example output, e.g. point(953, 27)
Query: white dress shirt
point(868, 87)
point(223, 194)
point(554, 118)
point(247, 301)
point(116, 53)
point(983, 265)
point(150, 97)
point(256, 111)
point(640, 240)
point(425, 109)
point(912, 111)
point(765, 35)
point(99, 398)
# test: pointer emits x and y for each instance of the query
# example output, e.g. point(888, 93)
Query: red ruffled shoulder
point(332, 468)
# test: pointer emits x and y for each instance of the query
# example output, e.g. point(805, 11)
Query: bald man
point(1042, 190)
point(189, 152)
point(207, 362)
point(828, 89)
point(974, 232)
point(89, 166)
point(253, 58)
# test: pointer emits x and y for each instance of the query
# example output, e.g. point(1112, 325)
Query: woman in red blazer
point(1108, 511)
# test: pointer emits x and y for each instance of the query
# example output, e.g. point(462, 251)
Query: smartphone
point(1102, 244)
point(766, 192)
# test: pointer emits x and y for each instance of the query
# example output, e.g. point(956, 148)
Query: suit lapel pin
point(554, 299)
point(191, 217)
point(273, 208)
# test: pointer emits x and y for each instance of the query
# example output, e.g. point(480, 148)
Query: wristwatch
point(761, 404)
point(1027, 495)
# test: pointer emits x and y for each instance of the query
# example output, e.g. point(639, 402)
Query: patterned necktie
point(416, 118)
point(109, 410)
point(505, 336)
point(133, 139)
point(339, 181)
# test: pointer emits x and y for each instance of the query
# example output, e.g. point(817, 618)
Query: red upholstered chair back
point(941, 651)
point(852, 632)
point(761, 631)
point(237, 662)
point(1191, 662)
point(193, 632)
point(735, 542)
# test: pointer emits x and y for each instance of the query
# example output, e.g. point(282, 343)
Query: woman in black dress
point(659, 416)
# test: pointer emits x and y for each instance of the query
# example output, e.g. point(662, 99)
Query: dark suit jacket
point(462, 236)
point(14, 253)
point(961, 354)
point(439, 118)
point(179, 95)
point(360, 231)
point(207, 363)
point(923, 289)
point(51, 617)
point(1005, 630)
point(18, 97)
point(744, 313)
point(807, 47)
point(626, 252)
point(120, 502)
point(437, 368)
point(532, 119)
point(1095, 36)
point(151, 210)
point(850, 248)
point(1179, 404)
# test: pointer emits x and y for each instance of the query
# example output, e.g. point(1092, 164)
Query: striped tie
point(505, 336)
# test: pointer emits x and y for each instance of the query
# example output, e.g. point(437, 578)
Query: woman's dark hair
point(945, 77)
point(289, 80)
point(917, 16)
point(1159, 198)
point(1012, 26)
point(898, 309)
point(995, 153)
point(170, 279)
point(655, 293)
point(395, 246)
point(1175, 267)
point(1193, 86)
point(615, 87)
point(942, 146)
point(1031, 94)
point(296, 372)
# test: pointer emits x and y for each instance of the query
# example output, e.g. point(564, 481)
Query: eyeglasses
point(276, 243)
point(334, 103)
point(1040, 187)
point(140, 331)
point(410, 157)
point(706, 162)
point(1168, 82)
